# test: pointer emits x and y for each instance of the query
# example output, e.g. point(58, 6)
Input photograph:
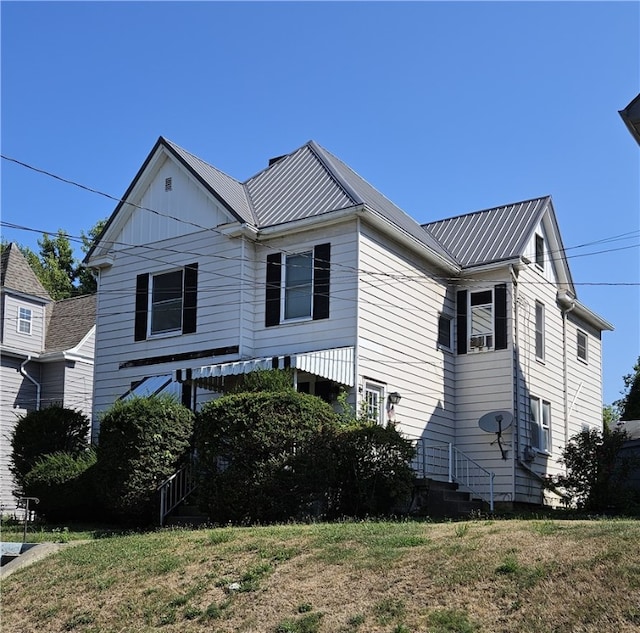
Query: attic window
point(168, 184)
point(540, 251)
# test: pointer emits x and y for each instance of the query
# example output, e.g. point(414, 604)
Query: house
point(631, 117)
point(46, 353)
point(306, 265)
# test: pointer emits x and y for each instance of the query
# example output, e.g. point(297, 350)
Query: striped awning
point(333, 364)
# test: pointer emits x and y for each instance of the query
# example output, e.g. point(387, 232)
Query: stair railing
point(176, 489)
point(447, 461)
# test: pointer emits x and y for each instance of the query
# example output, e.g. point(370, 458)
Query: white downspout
point(565, 369)
point(23, 371)
point(515, 373)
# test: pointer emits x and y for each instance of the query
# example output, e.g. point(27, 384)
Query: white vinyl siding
point(15, 324)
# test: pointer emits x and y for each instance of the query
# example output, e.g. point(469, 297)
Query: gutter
point(23, 371)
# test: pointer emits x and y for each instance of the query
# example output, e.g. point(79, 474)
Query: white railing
point(446, 461)
point(175, 490)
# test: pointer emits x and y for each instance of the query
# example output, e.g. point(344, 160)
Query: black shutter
point(461, 324)
point(142, 305)
point(190, 298)
point(274, 272)
point(321, 285)
point(500, 315)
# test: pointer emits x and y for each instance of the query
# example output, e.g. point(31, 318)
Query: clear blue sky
point(445, 107)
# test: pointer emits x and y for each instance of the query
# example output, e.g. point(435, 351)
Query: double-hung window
point(540, 424)
point(539, 254)
point(166, 302)
point(25, 316)
point(481, 322)
point(481, 319)
point(539, 330)
point(298, 285)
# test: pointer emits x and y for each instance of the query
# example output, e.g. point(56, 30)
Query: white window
point(444, 331)
point(166, 302)
point(481, 321)
point(24, 320)
point(540, 251)
point(539, 330)
point(298, 286)
point(582, 346)
point(373, 402)
point(540, 424)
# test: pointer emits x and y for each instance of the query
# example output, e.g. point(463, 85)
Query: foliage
point(255, 453)
point(142, 442)
point(628, 406)
point(46, 431)
point(86, 281)
point(63, 484)
point(277, 380)
point(595, 474)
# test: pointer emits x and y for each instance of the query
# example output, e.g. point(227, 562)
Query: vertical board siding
point(399, 303)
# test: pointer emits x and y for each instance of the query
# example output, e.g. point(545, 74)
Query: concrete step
point(440, 499)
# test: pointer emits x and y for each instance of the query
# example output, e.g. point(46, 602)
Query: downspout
point(514, 360)
point(23, 371)
point(566, 305)
point(356, 347)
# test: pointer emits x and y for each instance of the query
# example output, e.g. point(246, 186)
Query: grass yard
point(484, 576)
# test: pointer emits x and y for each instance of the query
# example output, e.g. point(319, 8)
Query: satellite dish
point(495, 421)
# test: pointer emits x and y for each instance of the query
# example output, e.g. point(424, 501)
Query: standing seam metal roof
point(490, 235)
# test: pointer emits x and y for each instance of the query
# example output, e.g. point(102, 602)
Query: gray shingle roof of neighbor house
point(69, 322)
point(16, 274)
point(490, 235)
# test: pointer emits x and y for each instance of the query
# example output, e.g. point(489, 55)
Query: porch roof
point(334, 364)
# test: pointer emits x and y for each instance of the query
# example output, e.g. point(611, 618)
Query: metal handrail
point(447, 461)
point(176, 489)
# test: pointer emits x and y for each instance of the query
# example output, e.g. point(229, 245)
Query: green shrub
point(64, 485)
point(277, 380)
point(142, 442)
point(596, 475)
point(46, 431)
point(256, 455)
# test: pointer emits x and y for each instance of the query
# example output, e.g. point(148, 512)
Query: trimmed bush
point(47, 431)
point(64, 485)
point(256, 455)
point(142, 442)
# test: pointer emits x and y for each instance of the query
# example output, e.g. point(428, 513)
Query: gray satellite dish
point(495, 421)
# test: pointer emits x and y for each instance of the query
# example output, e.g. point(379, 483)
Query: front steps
point(443, 500)
point(186, 515)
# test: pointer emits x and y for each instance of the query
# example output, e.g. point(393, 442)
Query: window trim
point(585, 358)
point(489, 334)
point(539, 331)
point(374, 388)
point(538, 420)
point(24, 319)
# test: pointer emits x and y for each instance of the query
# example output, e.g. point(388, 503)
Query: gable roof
point(491, 235)
point(16, 274)
point(70, 321)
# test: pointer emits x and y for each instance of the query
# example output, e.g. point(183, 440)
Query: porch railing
point(176, 489)
point(445, 461)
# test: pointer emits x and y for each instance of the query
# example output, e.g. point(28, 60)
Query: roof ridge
point(325, 159)
point(487, 210)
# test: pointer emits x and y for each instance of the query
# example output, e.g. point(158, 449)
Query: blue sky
point(445, 107)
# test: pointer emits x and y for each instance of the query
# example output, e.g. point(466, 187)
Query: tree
point(629, 405)
point(86, 280)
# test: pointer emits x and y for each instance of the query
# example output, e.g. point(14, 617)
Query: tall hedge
point(46, 431)
point(142, 442)
point(63, 484)
point(255, 454)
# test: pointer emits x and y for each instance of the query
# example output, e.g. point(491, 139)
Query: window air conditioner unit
point(482, 341)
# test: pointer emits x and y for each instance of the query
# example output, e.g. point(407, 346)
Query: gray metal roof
point(16, 274)
point(228, 189)
point(491, 235)
point(69, 322)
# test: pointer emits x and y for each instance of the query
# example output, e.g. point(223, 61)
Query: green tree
point(629, 405)
point(86, 279)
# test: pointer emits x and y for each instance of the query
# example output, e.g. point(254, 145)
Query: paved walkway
point(34, 554)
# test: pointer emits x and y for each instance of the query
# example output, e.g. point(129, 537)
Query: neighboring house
point(306, 265)
point(631, 117)
point(46, 350)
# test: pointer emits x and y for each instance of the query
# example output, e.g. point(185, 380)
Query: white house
point(306, 265)
point(46, 354)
